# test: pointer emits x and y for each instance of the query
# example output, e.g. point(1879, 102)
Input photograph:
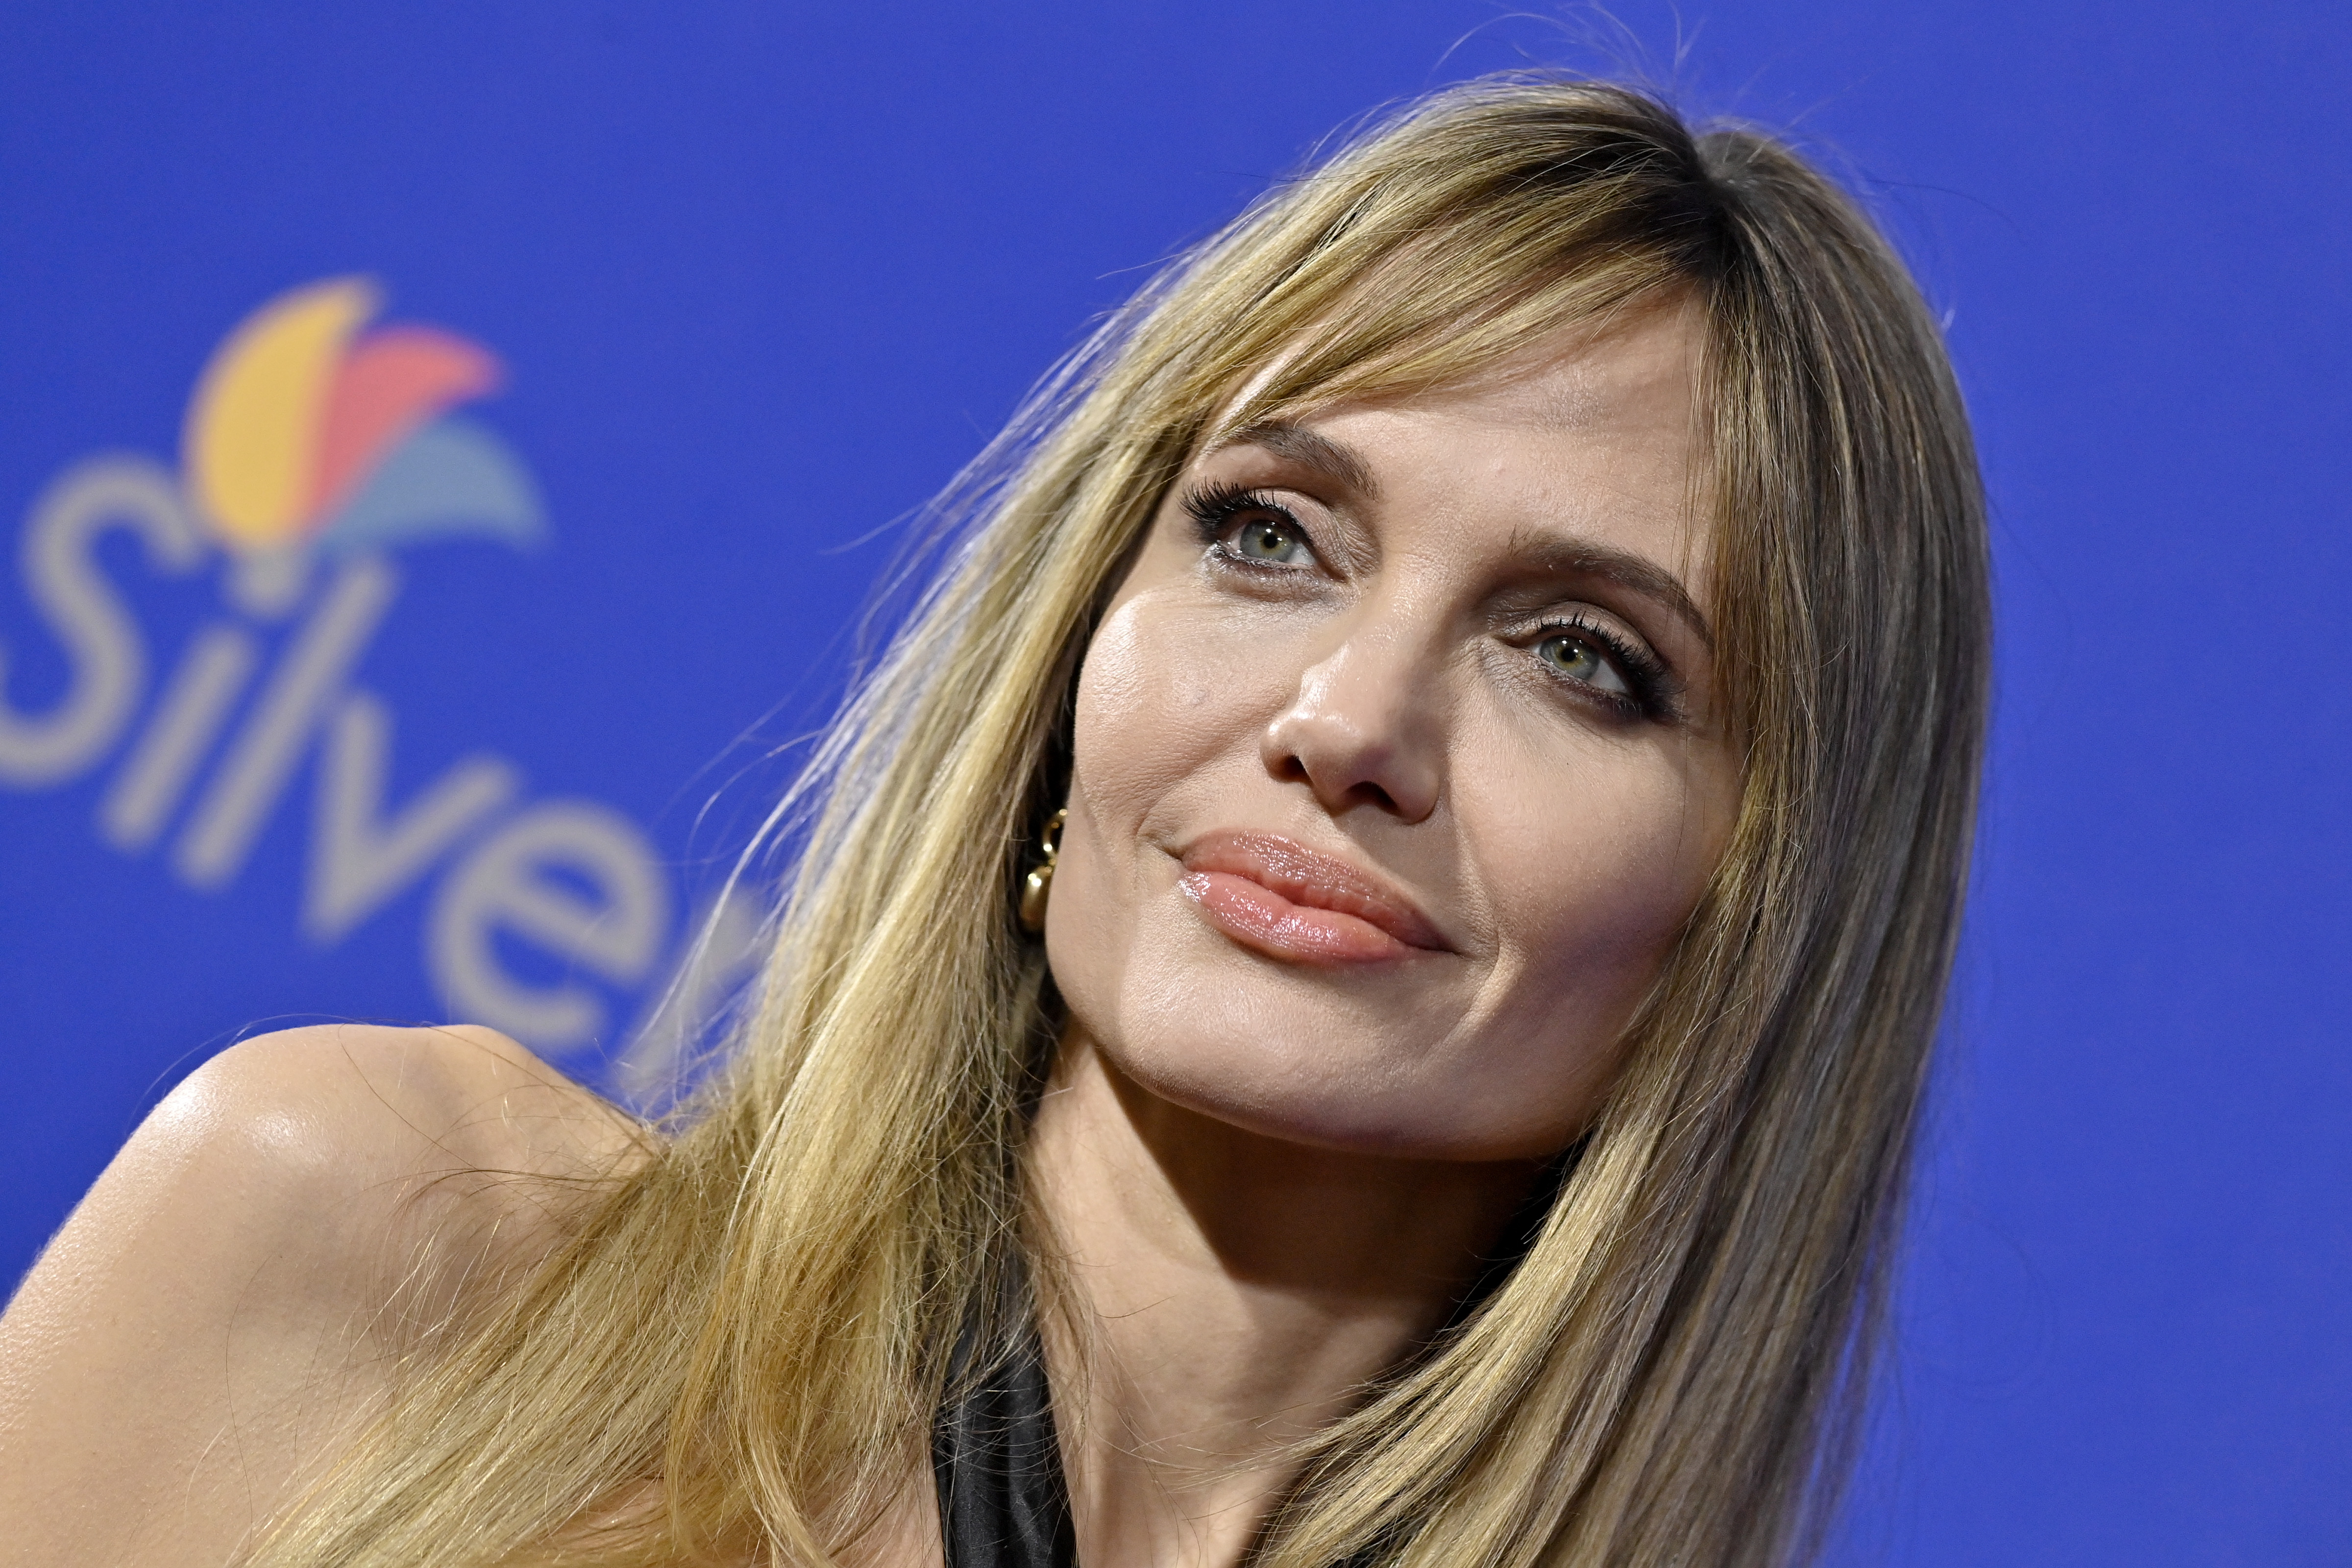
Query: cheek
point(1143, 717)
point(1592, 873)
point(1160, 718)
point(1168, 698)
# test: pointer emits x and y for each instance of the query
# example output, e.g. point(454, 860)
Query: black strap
point(1004, 1502)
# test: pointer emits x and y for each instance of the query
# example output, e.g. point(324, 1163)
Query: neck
point(1233, 1292)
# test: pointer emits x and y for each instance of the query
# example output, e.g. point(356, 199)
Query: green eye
point(1269, 540)
point(1580, 660)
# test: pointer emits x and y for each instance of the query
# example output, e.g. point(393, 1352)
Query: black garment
point(1002, 1500)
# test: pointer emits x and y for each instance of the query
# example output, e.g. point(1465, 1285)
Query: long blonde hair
point(759, 1316)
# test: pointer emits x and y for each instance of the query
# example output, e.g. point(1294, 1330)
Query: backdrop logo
point(306, 435)
point(312, 445)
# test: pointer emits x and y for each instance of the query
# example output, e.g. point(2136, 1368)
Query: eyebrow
point(1334, 460)
point(1343, 464)
point(1635, 574)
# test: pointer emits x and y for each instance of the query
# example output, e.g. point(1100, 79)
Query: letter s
point(108, 653)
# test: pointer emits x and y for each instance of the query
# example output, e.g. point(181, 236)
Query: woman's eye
point(1269, 542)
point(1575, 657)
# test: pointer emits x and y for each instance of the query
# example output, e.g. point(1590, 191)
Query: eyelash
point(1644, 672)
point(1214, 508)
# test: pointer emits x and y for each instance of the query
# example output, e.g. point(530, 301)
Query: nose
point(1363, 729)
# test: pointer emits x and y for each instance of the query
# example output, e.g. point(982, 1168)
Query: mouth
point(1275, 895)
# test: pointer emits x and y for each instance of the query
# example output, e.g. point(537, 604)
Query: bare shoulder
point(224, 1306)
point(422, 1127)
point(349, 1162)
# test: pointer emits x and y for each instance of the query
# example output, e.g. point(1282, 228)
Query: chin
point(1374, 1060)
point(1349, 1102)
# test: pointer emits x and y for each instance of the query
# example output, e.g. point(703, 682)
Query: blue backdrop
point(722, 290)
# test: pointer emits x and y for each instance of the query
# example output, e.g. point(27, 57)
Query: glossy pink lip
point(1280, 898)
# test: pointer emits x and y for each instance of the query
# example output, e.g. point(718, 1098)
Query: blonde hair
point(759, 1316)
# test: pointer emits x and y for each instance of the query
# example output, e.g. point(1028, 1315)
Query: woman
point(1480, 670)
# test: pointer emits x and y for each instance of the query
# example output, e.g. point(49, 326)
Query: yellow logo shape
point(252, 442)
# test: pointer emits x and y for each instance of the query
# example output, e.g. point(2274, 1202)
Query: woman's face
point(1398, 764)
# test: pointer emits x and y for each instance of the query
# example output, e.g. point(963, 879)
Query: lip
point(1274, 895)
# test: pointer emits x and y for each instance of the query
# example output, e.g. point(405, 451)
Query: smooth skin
point(215, 1317)
point(1445, 648)
point(1273, 1177)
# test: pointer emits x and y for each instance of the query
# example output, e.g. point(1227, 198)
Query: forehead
point(1635, 380)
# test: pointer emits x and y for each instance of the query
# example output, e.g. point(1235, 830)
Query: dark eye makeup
point(1617, 671)
point(1246, 530)
point(1247, 527)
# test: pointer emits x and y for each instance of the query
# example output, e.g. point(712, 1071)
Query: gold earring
point(1040, 885)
